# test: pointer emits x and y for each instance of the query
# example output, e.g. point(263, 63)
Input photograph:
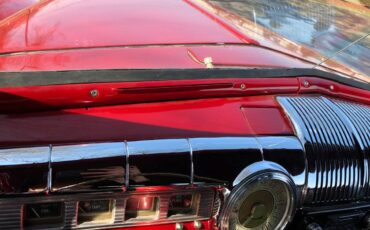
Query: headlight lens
point(263, 201)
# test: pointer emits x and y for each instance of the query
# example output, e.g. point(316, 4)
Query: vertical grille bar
point(336, 135)
point(358, 117)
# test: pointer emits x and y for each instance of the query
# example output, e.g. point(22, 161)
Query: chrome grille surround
point(336, 138)
point(11, 209)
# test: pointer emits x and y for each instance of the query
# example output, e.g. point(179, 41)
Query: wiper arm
point(341, 50)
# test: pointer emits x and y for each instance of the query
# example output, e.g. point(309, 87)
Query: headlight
point(264, 201)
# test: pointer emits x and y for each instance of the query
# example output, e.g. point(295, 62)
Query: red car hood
point(67, 24)
point(69, 34)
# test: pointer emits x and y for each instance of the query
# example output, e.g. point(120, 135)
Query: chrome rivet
point(94, 93)
point(179, 226)
point(306, 84)
point(197, 224)
point(331, 87)
point(243, 86)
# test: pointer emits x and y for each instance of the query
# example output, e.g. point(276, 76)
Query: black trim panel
point(13, 79)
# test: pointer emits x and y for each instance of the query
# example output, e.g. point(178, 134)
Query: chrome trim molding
point(335, 135)
point(87, 151)
point(119, 165)
point(24, 156)
point(223, 143)
point(258, 167)
point(191, 162)
point(127, 178)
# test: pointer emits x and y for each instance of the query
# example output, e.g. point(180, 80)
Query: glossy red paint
point(66, 24)
point(247, 56)
point(148, 57)
point(259, 121)
point(112, 58)
point(22, 99)
point(177, 119)
point(206, 225)
point(33, 98)
point(318, 85)
point(223, 23)
point(9, 7)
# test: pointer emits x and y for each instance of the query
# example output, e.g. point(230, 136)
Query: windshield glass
point(337, 30)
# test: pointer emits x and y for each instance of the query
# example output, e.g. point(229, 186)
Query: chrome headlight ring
point(263, 200)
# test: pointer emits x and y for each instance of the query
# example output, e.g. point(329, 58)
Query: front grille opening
point(42, 214)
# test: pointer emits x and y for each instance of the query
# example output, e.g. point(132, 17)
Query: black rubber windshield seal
point(44, 78)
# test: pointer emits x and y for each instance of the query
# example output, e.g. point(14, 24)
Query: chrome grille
point(359, 118)
point(334, 139)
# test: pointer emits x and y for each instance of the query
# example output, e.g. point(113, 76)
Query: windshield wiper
point(341, 50)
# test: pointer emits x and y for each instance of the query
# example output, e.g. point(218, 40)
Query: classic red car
point(170, 114)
